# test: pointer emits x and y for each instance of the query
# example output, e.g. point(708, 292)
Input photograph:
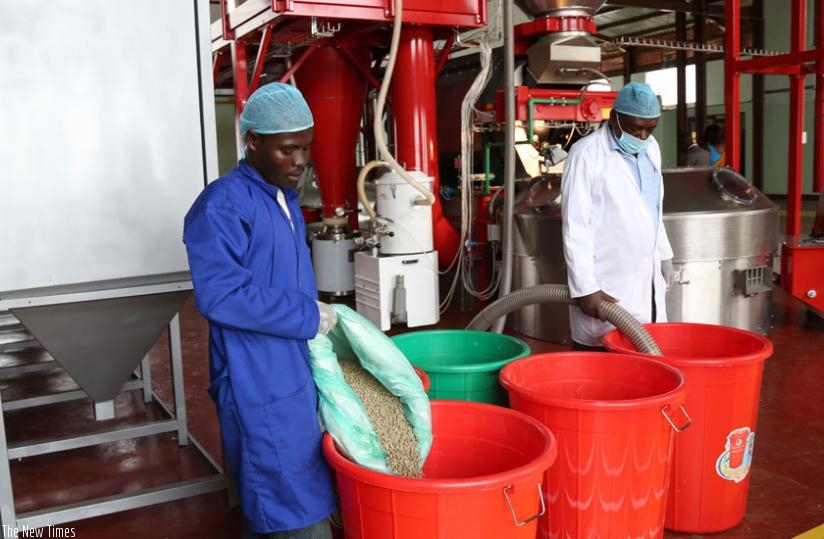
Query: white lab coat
point(610, 242)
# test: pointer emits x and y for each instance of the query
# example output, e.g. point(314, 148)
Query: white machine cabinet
point(375, 280)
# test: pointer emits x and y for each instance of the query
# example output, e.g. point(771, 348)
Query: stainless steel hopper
point(99, 336)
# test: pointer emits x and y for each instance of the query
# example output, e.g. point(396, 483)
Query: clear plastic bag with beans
point(342, 411)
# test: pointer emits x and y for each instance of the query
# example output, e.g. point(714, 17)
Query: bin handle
point(512, 509)
point(665, 412)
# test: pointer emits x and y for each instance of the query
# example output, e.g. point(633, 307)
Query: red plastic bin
point(482, 480)
point(723, 368)
point(614, 417)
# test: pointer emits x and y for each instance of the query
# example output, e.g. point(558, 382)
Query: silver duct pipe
point(559, 293)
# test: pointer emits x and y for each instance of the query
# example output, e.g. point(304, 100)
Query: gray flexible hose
point(559, 293)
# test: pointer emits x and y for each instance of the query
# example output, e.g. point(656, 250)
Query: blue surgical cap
point(637, 99)
point(275, 108)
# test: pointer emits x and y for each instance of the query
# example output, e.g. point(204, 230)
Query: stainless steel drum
point(538, 8)
point(723, 231)
point(333, 251)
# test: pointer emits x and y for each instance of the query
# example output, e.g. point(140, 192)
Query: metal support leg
point(146, 376)
point(104, 410)
point(176, 353)
point(7, 514)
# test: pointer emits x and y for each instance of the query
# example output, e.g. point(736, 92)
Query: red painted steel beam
point(302, 58)
point(778, 70)
point(753, 65)
point(240, 77)
point(818, 154)
point(265, 38)
point(732, 86)
point(458, 13)
point(795, 170)
point(227, 31)
point(364, 69)
point(217, 60)
point(450, 39)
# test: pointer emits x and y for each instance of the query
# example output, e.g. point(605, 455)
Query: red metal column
point(818, 154)
point(260, 61)
point(818, 168)
point(732, 83)
point(795, 168)
point(240, 76)
point(413, 105)
point(335, 91)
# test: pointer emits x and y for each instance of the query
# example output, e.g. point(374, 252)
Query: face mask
point(629, 143)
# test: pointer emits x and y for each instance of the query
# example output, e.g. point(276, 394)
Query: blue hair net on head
point(275, 108)
point(637, 99)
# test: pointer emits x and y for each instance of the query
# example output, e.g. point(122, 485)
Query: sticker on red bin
point(734, 463)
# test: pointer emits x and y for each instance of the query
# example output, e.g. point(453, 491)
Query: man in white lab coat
point(615, 244)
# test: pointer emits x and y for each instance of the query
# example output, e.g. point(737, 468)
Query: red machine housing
point(557, 104)
point(801, 272)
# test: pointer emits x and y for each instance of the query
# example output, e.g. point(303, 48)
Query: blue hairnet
point(275, 108)
point(637, 99)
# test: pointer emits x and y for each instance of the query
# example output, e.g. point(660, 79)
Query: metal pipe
point(509, 158)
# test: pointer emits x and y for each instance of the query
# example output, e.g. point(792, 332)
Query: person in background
point(715, 142)
point(615, 245)
point(253, 282)
point(694, 154)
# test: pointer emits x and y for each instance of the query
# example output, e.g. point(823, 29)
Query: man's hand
point(668, 272)
point(591, 304)
point(328, 318)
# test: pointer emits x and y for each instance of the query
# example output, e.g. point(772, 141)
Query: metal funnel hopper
point(540, 8)
point(101, 342)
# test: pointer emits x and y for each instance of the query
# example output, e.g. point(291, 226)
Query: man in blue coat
point(253, 282)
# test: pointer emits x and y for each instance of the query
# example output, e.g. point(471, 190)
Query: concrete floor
point(786, 491)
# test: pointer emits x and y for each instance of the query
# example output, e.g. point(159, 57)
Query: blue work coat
point(253, 282)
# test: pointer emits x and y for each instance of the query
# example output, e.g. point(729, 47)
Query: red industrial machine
point(335, 69)
point(562, 60)
point(337, 54)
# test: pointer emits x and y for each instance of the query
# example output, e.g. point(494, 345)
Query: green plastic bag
point(341, 411)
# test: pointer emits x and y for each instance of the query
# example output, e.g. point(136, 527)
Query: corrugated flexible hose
point(559, 293)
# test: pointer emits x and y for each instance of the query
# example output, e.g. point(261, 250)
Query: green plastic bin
point(462, 364)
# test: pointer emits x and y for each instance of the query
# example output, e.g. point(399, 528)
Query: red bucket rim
point(761, 354)
point(674, 396)
point(517, 474)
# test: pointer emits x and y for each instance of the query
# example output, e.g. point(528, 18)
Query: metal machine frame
point(176, 422)
point(802, 257)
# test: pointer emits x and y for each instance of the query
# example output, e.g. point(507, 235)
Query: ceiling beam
point(622, 22)
point(681, 6)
